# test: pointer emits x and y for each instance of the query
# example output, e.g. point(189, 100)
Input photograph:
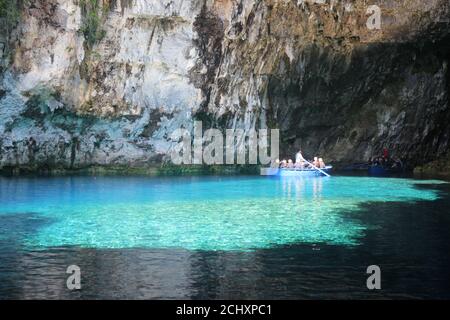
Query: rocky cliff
point(104, 83)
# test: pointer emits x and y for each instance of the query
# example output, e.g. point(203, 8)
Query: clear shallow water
point(198, 213)
point(209, 237)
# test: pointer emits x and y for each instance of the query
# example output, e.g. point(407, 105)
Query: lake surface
point(224, 237)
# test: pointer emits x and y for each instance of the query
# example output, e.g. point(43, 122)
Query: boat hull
point(381, 171)
point(294, 172)
point(377, 171)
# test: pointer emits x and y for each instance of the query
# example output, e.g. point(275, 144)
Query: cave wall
point(314, 70)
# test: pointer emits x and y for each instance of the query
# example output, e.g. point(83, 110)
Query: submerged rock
point(107, 85)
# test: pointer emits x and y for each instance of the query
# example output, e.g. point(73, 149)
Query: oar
point(320, 170)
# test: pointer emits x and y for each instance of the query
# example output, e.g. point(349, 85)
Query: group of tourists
point(386, 161)
point(300, 163)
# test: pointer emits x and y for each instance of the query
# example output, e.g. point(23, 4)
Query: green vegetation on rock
point(10, 11)
point(93, 11)
point(121, 170)
point(9, 14)
point(440, 167)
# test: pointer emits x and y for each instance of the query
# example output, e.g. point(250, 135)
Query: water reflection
point(317, 188)
point(296, 187)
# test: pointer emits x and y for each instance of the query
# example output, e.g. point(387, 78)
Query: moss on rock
point(438, 167)
point(122, 170)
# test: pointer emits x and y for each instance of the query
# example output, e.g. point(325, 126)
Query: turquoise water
point(204, 213)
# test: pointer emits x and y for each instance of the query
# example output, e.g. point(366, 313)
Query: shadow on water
point(409, 241)
point(13, 229)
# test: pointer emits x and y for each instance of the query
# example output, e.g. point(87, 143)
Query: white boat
point(295, 172)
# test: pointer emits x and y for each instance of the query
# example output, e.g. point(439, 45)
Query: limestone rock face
point(317, 70)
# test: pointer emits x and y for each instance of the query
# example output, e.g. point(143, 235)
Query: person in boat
point(299, 161)
point(385, 154)
point(299, 157)
point(290, 164)
point(316, 162)
point(299, 165)
point(376, 162)
point(321, 164)
point(398, 164)
point(275, 164)
point(283, 164)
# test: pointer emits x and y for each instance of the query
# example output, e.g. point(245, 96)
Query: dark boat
point(379, 170)
point(364, 166)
